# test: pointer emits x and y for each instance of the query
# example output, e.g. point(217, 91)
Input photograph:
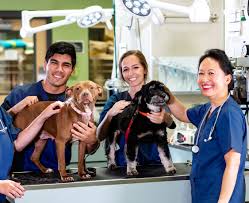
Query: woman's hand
point(85, 133)
point(160, 117)
point(11, 189)
point(27, 101)
point(156, 117)
point(52, 109)
point(117, 108)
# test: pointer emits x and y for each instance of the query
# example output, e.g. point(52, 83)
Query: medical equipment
point(195, 148)
point(3, 128)
point(198, 12)
point(85, 18)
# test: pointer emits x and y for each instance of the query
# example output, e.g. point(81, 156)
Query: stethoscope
point(195, 148)
point(2, 128)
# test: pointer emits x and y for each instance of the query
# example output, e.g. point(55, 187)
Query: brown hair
point(140, 57)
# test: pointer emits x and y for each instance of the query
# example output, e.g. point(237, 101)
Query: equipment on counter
point(241, 81)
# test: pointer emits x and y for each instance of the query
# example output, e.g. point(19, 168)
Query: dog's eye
point(91, 87)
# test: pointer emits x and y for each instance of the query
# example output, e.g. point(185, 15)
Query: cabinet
point(100, 71)
point(100, 55)
point(15, 72)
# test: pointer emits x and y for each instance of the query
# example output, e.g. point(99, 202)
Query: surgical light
point(84, 17)
point(198, 12)
point(138, 7)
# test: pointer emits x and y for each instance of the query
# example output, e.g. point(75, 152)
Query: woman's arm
point(176, 107)
point(232, 159)
point(103, 128)
point(29, 133)
point(27, 101)
point(179, 111)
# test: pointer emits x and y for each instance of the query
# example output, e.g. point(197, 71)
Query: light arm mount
point(198, 12)
point(85, 18)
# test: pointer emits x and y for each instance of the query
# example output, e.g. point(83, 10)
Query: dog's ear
point(99, 90)
point(137, 98)
point(69, 92)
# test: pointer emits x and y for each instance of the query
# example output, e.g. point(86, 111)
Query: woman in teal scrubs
point(219, 151)
point(12, 139)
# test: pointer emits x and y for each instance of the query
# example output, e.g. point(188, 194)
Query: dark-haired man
point(59, 64)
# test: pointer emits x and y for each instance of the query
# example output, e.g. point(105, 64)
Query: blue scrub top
point(209, 164)
point(147, 153)
point(48, 158)
point(8, 133)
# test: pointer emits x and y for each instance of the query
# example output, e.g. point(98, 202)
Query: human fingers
point(16, 192)
point(84, 132)
point(31, 100)
point(15, 189)
point(118, 107)
point(156, 117)
point(56, 106)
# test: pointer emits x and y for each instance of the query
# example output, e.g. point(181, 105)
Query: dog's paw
point(171, 170)
point(67, 179)
point(85, 177)
point(112, 166)
point(132, 172)
point(49, 170)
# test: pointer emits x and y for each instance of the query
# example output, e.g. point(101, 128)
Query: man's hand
point(84, 133)
point(11, 189)
point(87, 134)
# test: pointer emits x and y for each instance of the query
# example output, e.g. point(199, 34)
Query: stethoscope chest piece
point(195, 149)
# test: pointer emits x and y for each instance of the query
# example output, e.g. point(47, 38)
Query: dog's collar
point(143, 113)
point(87, 113)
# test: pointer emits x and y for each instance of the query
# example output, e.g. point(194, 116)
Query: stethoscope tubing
point(195, 148)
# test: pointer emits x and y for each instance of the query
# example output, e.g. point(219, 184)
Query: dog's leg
point(111, 163)
point(166, 161)
point(81, 162)
point(131, 156)
point(60, 149)
point(35, 157)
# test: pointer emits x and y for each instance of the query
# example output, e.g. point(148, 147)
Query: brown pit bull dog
point(78, 107)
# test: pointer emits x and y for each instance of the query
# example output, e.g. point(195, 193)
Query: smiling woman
point(219, 152)
point(133, 68)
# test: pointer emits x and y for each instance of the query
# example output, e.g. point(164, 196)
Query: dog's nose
point(85, 94)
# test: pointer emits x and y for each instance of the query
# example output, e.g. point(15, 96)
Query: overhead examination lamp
point(198, 12)
point(85, 18)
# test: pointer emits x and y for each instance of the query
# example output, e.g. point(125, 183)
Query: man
point(59, 64)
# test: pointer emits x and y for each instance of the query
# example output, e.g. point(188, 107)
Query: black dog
point(138, 128)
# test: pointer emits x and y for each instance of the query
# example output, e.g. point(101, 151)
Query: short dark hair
point(223, 60)
point(140, 57)
point(61, 48)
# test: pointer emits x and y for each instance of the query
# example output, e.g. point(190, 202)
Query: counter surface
point(32, 180)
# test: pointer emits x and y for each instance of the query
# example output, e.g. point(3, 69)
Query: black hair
point(61, 48)
point(223, 60)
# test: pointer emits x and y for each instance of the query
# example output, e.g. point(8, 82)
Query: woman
point(219, 151)
point(12, 139)
point(133, 69)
